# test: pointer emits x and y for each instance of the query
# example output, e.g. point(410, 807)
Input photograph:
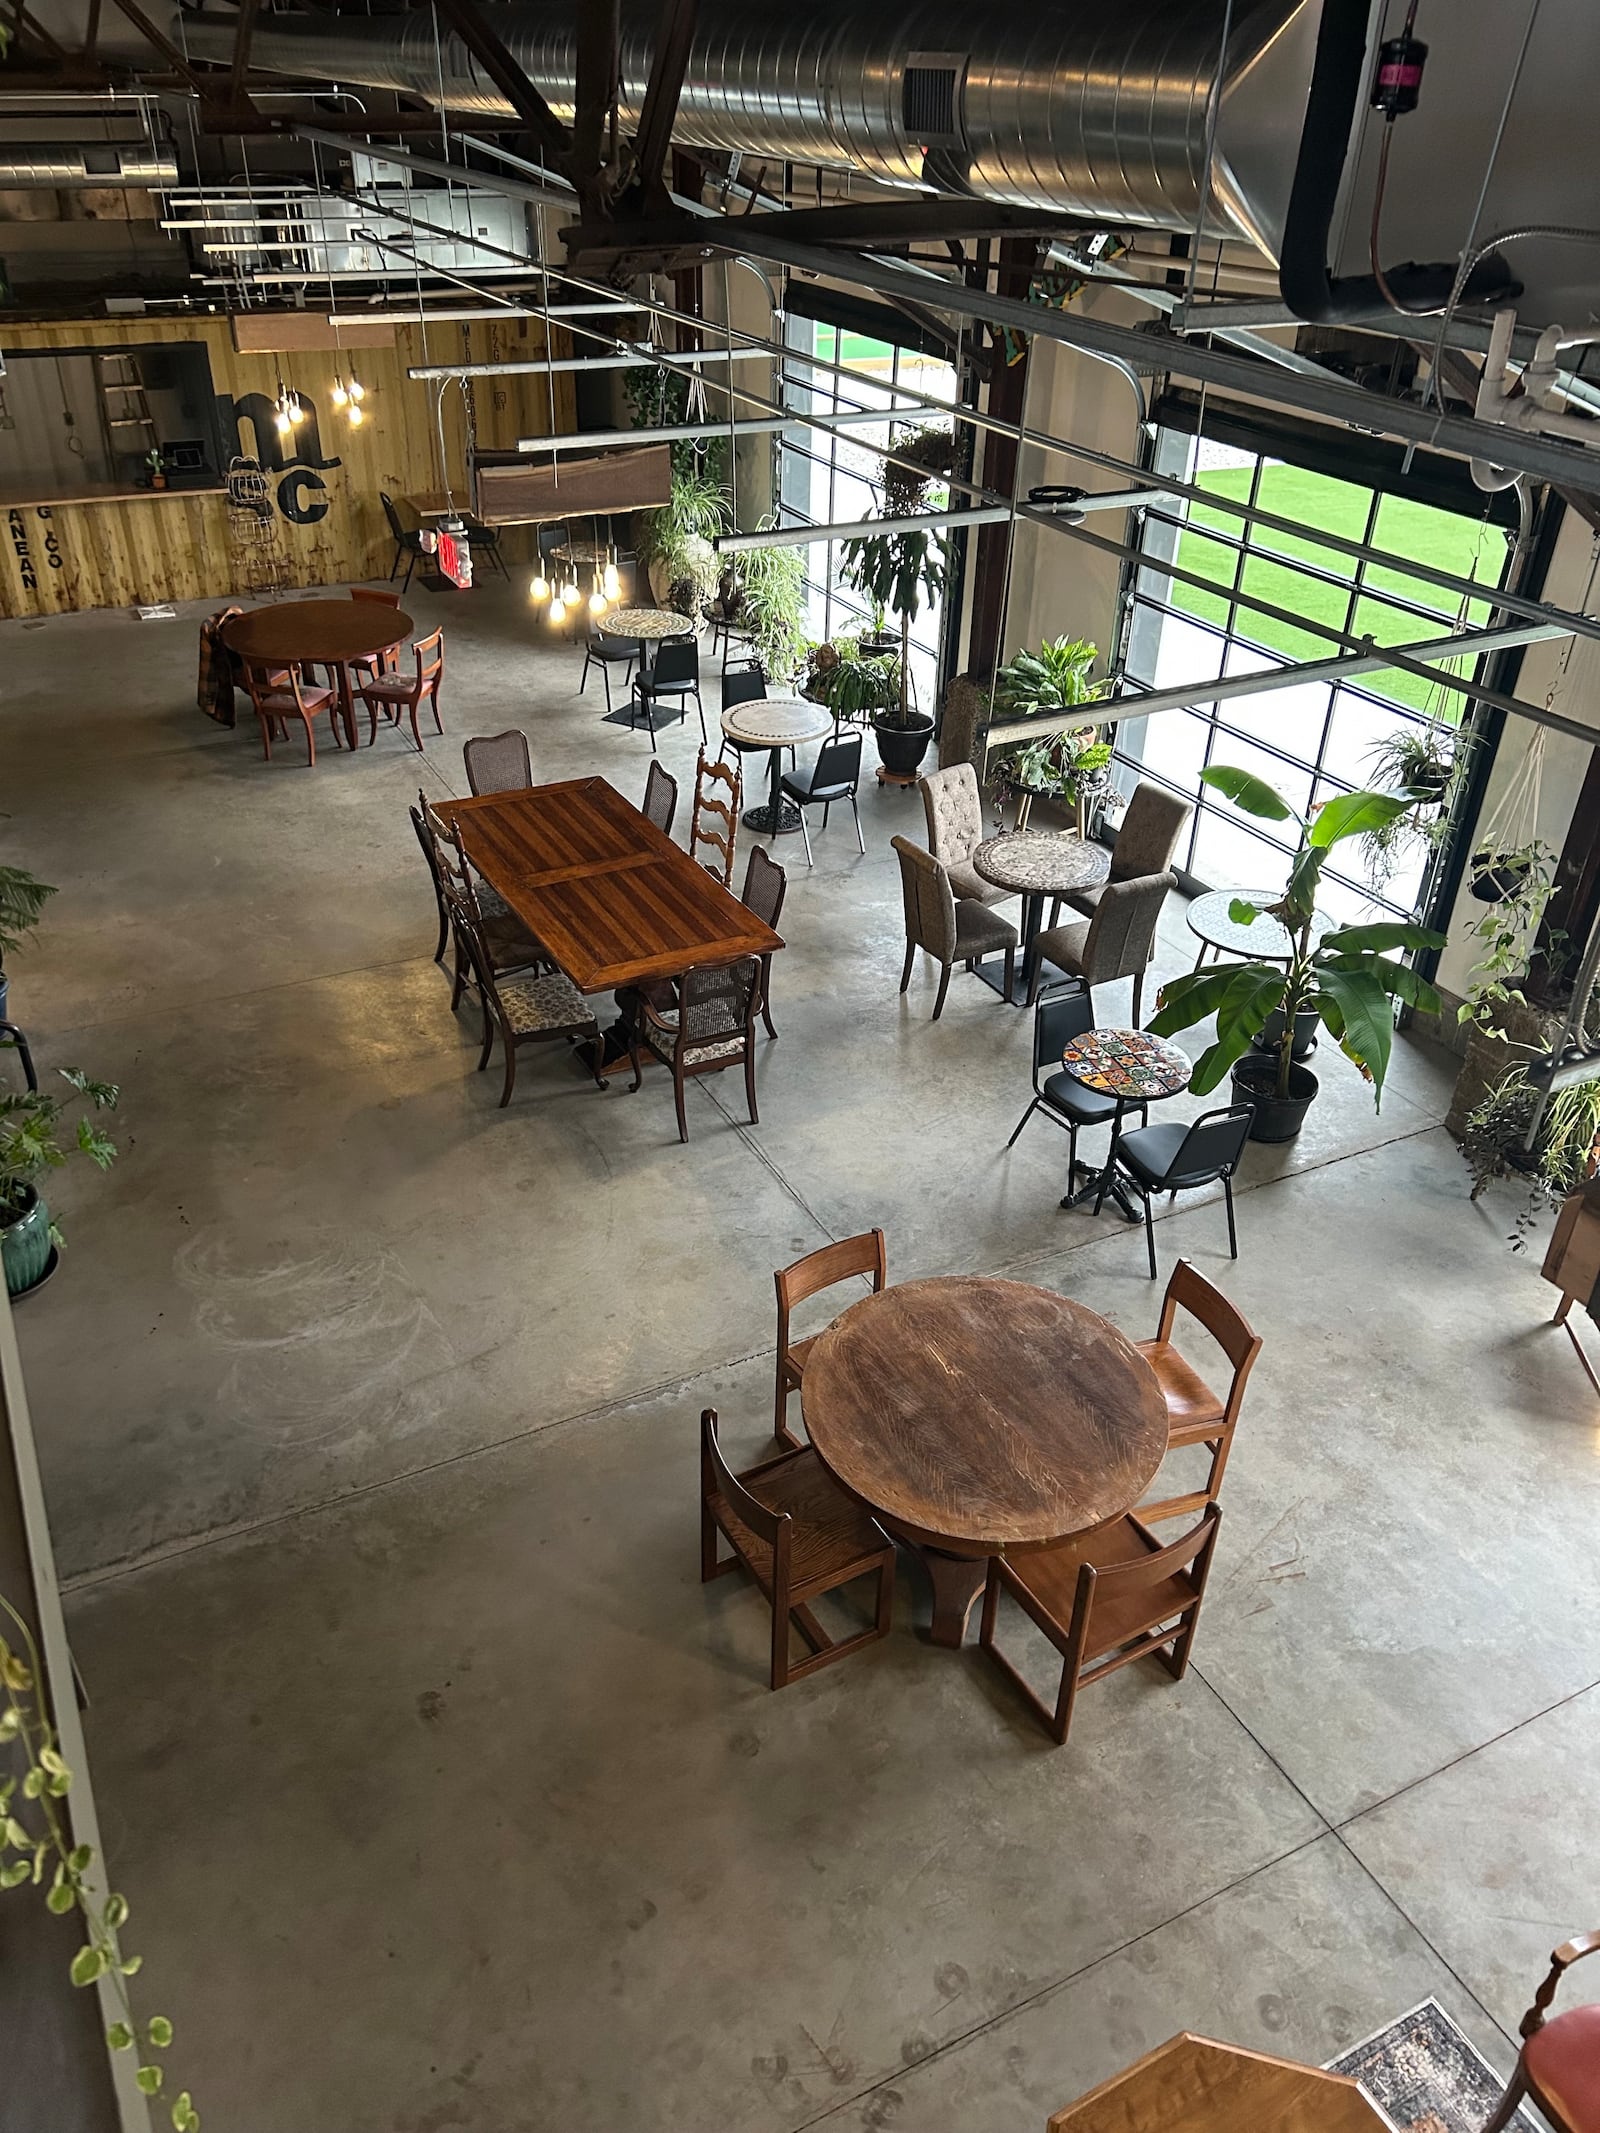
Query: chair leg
point(433, 698)
point(1149, 1232)
point(944, 987)
point(700, 707)
point(1022, 1121)
point(1011, 971)
point(766, 994)
point(905, 974)
point(1138, 999)
point(1233, 1235)
point(511, 1071)
point(416, 730)
point(488, 1033)
point(411, 564)
point(1505, 2110)
point(861, 842)
point(750, 1081)
point(678, 1086)
point(311, 747)
point(805, 835)
point(1065, 1700)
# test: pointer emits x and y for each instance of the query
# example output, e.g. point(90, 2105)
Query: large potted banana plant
point(1347, 976)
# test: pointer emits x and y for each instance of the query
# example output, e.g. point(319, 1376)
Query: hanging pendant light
point(338, 395)
point(357, 417)
point(539, 590)
point(558, 612)
point(612, 581)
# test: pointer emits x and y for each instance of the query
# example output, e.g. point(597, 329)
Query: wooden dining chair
point(660, 797)
point(765, 884)
point(503, 941)
point(498, 762)
point(797, 1533)
point(275, 705)
point(1194, 1413)
point(708, 1027)
point(1558, 2067)
point(831, 1263)
point(1104, 1599)
point(715, 823)
point(379, 664)
point(425, 839)
point(395, 695)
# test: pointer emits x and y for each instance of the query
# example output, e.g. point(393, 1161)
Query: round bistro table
point(776, 723)
point(1034, 864)
point(646, 627)
point(1132, 1067)
point(979, 1417)
point(1264, 940)
point(319, 633)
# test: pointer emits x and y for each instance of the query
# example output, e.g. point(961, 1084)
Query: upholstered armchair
point(1117, 942)
point(950, 930)
point(953, 804)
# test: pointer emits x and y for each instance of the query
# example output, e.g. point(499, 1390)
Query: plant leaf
point(1186, 1000)
point(1256, 990)
point(1368, 1021)
point(1352, 814)
point(61, 1899)
point(1251, 793)
point(116, 1911)
point(1210, 1067)
point(149, 2079)
point(1383, 934)
point(87, 1965)
point(159, 2030)
point(120, 2037)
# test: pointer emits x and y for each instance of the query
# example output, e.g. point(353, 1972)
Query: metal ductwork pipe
point(72, 168)
point(1095, 111)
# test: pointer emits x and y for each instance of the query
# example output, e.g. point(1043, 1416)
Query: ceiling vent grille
point(930, 97)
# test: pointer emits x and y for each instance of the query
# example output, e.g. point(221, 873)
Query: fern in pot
point(1347, 976)
point(674, 543)
point(36, 1136)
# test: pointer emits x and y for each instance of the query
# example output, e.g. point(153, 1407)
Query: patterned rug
point(1426, 2077)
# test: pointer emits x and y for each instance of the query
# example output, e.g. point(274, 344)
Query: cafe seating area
point(898, 1605)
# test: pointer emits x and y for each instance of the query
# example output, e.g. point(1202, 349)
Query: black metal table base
point(1114, 1188)
point(760, 819)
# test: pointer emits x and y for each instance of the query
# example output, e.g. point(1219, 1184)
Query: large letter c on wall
point(292, 501)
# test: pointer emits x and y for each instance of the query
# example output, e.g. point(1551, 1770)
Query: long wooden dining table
point(614, 900)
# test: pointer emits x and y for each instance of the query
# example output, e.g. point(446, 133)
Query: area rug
point(1426, 2076)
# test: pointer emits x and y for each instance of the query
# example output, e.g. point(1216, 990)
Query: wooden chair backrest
point(369, 592)
point(1143, 1573)
point(717, 1477)
point(724, 813)
point(765, 885)
point(430, 657)
point(930, 904)
point(498, 762)
point(830, 1263)
point(1189, 1290)
point(258, 681)
point(660, 797)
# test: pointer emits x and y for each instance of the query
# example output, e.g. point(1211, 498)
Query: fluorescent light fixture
point(693, 357)
point(683, 432)
point(850, 529)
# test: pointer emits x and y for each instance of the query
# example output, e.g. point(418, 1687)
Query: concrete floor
point(445, 1796)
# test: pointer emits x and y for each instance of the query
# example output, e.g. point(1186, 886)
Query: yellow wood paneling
point(182, 547)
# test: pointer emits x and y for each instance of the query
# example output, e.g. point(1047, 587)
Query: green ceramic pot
point(25, 1243)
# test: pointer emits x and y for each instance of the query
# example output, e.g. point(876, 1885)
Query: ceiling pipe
point(69, 167)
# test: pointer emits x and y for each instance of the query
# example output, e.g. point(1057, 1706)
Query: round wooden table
point(319, 633)
point(776, 723)
point(976, 1417)
point(1034, 864)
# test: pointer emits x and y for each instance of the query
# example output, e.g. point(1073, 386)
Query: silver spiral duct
point(71, 168)
point(1093, 110)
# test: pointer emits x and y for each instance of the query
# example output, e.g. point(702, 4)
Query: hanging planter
point(1497, 878)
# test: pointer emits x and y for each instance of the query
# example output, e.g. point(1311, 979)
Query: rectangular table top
point(611, 896)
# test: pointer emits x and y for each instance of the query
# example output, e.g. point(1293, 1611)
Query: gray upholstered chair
point(1117, 942)
point(951, 931)
point(953, 803)
point(1144, 844)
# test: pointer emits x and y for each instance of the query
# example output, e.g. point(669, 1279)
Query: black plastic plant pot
point(1269, 1037)
point(1278, 1118)
point(1428, 785)
point(901, 748)
point(878, 647)
point(1497, 881)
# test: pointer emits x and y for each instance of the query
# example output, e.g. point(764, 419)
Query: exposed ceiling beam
point(856, 222)
point(248, 10)
point(486, 47)
point(660, 107)
point(199, 84)
point(594, 115)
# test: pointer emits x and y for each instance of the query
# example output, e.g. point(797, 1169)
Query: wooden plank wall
point(181, 547)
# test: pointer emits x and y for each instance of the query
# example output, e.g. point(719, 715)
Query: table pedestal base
point(761, 819)
point(956, 1582)
point(1115, 1190)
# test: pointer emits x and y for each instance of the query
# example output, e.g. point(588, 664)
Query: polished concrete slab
point(445, 1795)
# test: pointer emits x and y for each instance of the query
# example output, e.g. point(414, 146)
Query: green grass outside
point(1441, 538)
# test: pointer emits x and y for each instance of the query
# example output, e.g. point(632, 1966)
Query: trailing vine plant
point(35, 1842)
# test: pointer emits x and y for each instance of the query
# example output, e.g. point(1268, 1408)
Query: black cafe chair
point(407, 539)
point(1176, 1158)
point(1063, 1099)
point(674, 673)
point(835, 775)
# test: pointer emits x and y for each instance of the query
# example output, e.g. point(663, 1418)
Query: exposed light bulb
point(539, 590)
point(569, 592)
point(558, 613)
point(283, 422)
point(597, 604)
point(357, 390)
point(338, 395)
point(356, 417)
point(612, 581)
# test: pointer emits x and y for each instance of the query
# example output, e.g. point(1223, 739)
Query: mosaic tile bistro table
point(1133, 1068)
point(776, 723)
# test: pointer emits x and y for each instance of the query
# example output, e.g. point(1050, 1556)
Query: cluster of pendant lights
point(563, 594)
point(289, 410)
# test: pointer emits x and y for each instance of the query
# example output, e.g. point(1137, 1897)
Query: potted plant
point(157, 467)
point(674, 543)
point(892, 571)
point(22, 897)
point(1418, 762)
point(852, 684)
point(33, 1140)
point(1057, 677)
point(1070, 767)
point(1565, 1144)
point(1349, 977)
point(1499, 876)
point(769, 602)
point(1516, 886)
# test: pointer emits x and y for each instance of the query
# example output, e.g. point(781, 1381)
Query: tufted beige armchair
point(949, 930)
point(953, 803)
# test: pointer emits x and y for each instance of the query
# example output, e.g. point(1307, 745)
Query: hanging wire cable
point(1213, 114)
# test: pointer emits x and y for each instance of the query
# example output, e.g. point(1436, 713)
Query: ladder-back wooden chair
point(714, 825)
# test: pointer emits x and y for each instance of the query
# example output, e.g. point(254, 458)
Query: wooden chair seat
point(1049, 1581)
point(834, 1539)
point(1193, 1409)
point(797, 1533)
